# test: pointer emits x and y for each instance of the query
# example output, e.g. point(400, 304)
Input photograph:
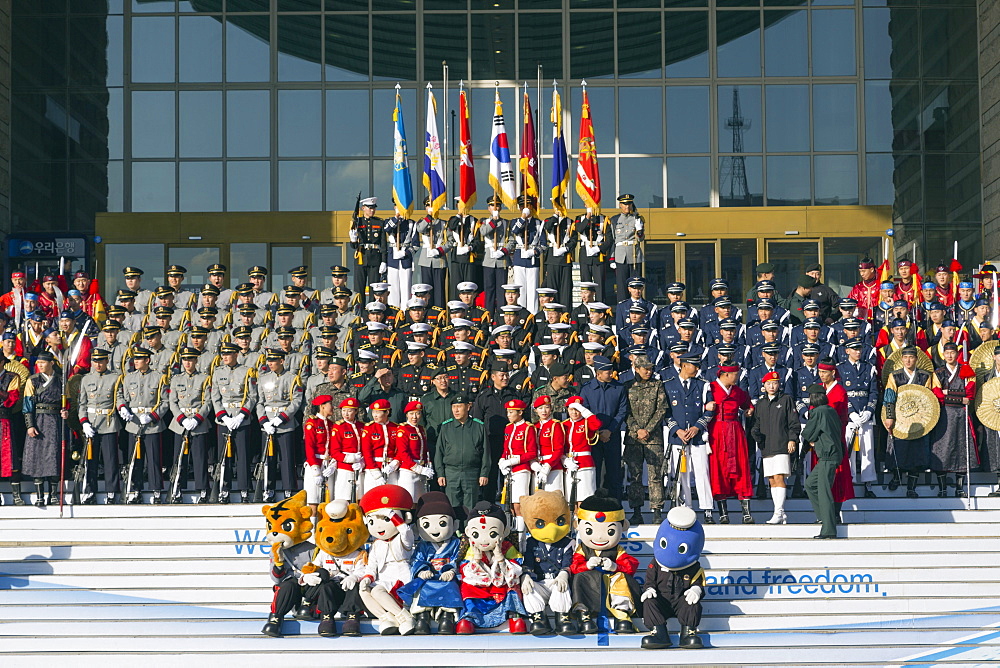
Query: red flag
point(466, 168)
point(588, 177)
point(529, 154)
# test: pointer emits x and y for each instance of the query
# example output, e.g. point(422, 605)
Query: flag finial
point(398, 86)
point(429, 86)
point(583, 82)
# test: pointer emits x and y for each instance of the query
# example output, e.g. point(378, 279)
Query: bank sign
point(56, 247)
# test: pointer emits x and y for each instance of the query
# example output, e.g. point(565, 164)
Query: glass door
point(790, 259)
point(196, 259)
point(699, 270)
point(661, 269)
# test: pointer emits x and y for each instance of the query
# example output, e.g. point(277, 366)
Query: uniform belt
point(631, 242)
point(190, 410)
point(232, 404)
point(100, 411)
point(140, 410)
point(858, 393)
point(41, 408)
point(275, 409)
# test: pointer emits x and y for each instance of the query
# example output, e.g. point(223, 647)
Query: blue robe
point(433, 593)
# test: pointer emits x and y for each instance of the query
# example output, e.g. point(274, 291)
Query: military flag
point(529, 154)
point(560, 160)
point(588, 176)
point(402, 186)
point(466, 167)
point(501, 169)
point(433, 165)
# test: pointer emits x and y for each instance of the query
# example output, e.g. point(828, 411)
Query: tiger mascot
point(288, 530)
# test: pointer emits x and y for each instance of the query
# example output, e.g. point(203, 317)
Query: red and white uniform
point(412, 451)
point(578, 462)
point(318, 433)
point(520, 443)
point(551, 449)
point(378, 447)
point(345, 446)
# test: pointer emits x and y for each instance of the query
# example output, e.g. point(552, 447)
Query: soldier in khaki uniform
point(101, 425)
point(234, 398)
point(280, 398)
point(142, 403)
point(191, 407)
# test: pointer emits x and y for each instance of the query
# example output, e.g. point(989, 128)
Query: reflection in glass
point(840, 260)
point(951, 117)
point(836, 179)
point(446, 37)
point(348, 123)
point(345, 179)
point(116, 123)
point(115, 51)
point(283, 259)
point(394, 46)
point(953, 189)
point(153, 49)
point(948, 48)
point(786, 48)
point(153, 186)
point(738, 35)
point(248, 186)
point(788, 182)
point(878, 176)
point(493, 46)
point(834, 118)
point(200, 49)
point(323, 257)
point(790, 259)
point(787, 118)
point(739, 257)
point(116, 186)
point(383, 104)
point(661, 270)
point(586, 31)
point(201, 186)
point(248, 49)
point(741, 181)
point(739, 119)
point(241, 258)
point(300, 115)
point(196, 261)
point(119, 256)
point(642, 177)
point(248, 127)
point(347, 47)
point(699, 270)
point(689, 182)
point(153, 111)
point(639, 45)
point(686, 35)
point(540, 42)
point(908, 179)
point(299, 45)
point(300, 185)
point(200, 124)
point(833, 42)
point(640, 111)
point(147, 6)
point(687, 119)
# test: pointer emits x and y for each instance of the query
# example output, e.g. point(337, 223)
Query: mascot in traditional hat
point(675, 581)
point(434, 589)
point(548, 553)
point(333, 574)
point(387, 515)
point(603, 571)
point(288, 529)
point(491, 572)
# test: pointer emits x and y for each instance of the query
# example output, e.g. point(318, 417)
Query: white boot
point(386, 622)
point(778, 496)
point(405, 621)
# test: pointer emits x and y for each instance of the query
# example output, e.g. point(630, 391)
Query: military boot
point(658, 639)
point(723, 512)
point(15, 491)
point(689, 639)
point(747, 517)
point(39, 493)
point(273, 626)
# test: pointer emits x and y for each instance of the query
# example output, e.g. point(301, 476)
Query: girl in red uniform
point(551, 448)
point(581, 435)
point(345, 450)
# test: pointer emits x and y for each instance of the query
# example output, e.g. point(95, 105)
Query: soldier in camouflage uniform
point(648, 407)
point(558, 388)
point(320, 363)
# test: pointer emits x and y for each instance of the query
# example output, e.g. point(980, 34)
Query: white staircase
point(914, 581)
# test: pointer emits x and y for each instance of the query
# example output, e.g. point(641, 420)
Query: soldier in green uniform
point(320, 364)
point(336, 384)
point(823, 431)
point(437, 403)
point(191, 407)
point(647, 407)
point(142, 404)
point(558, 388)
point(462, 458)
point(383, 386)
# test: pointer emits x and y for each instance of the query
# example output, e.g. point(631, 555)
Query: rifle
point(263, 477)
point(69, 362)
point(80, 472)
point(136, 454)
point(175, 482)
point(219, 477)
point(357, 211)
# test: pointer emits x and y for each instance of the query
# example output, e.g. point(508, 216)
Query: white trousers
point(586, 483)
point(697, 466)
point(374, 478)
point(553, 482)
point(866, 442)
point(527, 278)
point(399, 286)
point(415, 484)
point(546, 592)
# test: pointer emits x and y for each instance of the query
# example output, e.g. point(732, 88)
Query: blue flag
point(402, 186)
point(433, 165)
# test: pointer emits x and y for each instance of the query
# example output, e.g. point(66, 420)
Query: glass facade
point(285, 105)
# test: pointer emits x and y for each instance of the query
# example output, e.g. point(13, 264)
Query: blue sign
point(25, 248)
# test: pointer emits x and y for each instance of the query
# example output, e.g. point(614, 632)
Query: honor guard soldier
point(860, 380)
point(209, 296)
point(327, 318)
point(110, 343)
point(295, 361)
point(769, 331)
point(280, 398)
point(160, 357)
point(309, 296)
point(414, 377)
point(466, 253)
point(183, 299)
point(400, 234)
point(579, 315)
point(247, 357)
point(338, 281)
point(467, 291)
point(435, 244)
point(687, 434)
point(388, 355)
point(464, 376)
point(217, 278)
point(302, 318)
point(374, 313)
point(142, 403)
point(191, 407)
point(634, 296)
point(423, 292)
point(629, 234)
point(283, 318)
point(811, 329)
point(133, 280)
point(512, 297)
point(560, 244)
point(234, 400)
point(368, 240)
point(422, 332)
point(208, 319)
point(528, 247)
point(125, 312)
point(393, 314)
point(852, 332)
point(206, 358)
point(461, 343)
point(170, 334)
point(99, 419)
point(596, 237)
point(365, 366)
point(416, 312)
point(247, 320)
point(264, 300)
point(498, 245)
point(753, 381)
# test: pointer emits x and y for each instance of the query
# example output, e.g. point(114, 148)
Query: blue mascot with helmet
point(675, 581)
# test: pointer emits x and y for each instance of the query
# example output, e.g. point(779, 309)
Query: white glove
point(609, 565)
point(390, 467)
point(584, 411)
point(497, 254)
point(559, 251)
point(398, 253)
point(638, 225)
point(865, 416)
point(353, 236)
point(536, 466)
point(599, 239)
point(425, 574)
point(448, 576)
point(593, 250)
point(189, 424)
point(648, 594)
point(527, 585)
point(854, 417)
point(145, 418)
point(348, 583)
point(329, 468)
point(526, 213)
point(427, 472)
point(545, 470)
point(358, 465)
point(562, 581)
point(268, 428)
point(693, 595)
point(432, 252)
point(571, 464)
point(125, 413)
point(352, 457)
point(520, 243)
point(494, 214)
point(237, 420)
point(463, 250)
point(276, 421)
point(504, 467)
point(381, 268)
point(364, 585)
point(88, 430)
point(527, 253)
point(594, 562)
point(312, 579)
point(613, 265)
point(379, 478)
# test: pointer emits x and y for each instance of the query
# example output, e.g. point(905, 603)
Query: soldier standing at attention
point(399, 232)
point(499, 245)
point(647, 408)
point(434, 246)
point(142, 403)
point(462, 458)
point(100, 423)
point(280, 392)
point(628, 228)
point(596, 241)
point(234, 398)
point(191, 406)
point(368, 241)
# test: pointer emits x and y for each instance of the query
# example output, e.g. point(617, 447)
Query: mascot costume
point(490, 571)
point(548, 553)
point(387, 515)
point(434, 590)
point(333, 574)
point(675, 581)
point(603, 572)
point(288, 529)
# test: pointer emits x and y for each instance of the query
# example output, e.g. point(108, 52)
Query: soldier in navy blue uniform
point(687, 433)
point(399, 234)
point(636, 288)
point(764, 313)
point(770, 335)
point(811, 329)
point(726, 331)
point(811, 311)
point(852, 333)
point(767, 289)
point(712, 352)
point(860, 380)
point(753, 382)
point(368, 241)
point(527, 231)
point(723, 311)
point(670, 362)
point(771, 312)
point(675, 295)
point(710, 368)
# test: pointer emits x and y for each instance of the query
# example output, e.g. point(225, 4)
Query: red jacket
point(551, 443)
point(377, 444)
point(581, 435)
point(520, 440)
point(626, 562)
point(866, 294)
point(411, 445)
point(318, 433)
point(346, 440)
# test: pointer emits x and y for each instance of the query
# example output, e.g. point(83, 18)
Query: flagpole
point(444, 68)
point(539, 143)
point(496, 94)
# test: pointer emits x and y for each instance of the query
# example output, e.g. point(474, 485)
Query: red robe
point(866, 293)
point(843, 484)
point(729, 463)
